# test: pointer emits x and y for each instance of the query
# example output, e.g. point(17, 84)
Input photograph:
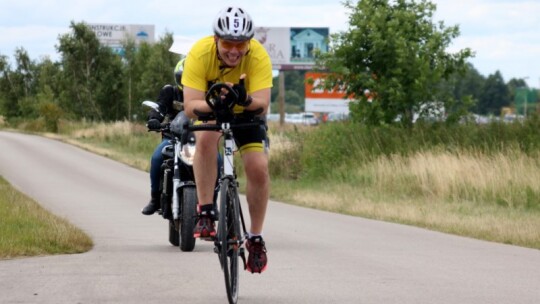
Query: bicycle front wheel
point(230, 237)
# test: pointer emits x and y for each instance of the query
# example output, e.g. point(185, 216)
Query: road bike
point(231, 232)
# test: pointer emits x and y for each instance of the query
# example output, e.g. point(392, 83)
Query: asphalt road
point(314, 256)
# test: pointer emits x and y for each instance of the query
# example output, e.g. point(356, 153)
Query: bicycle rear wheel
point(230, 237)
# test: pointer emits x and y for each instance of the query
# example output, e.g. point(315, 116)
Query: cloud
point(503, 34)
point(478, 16)
point(37, 40)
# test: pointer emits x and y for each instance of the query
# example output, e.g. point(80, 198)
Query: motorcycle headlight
point(187, 153)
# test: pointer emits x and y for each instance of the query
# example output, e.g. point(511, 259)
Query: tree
point(158, 67)
point(24, 72)
point(462, 91)
point(80, 50)
point(129, 72)
point(8, 97)
point(18, 86)
point(514, 85)
point(109, 90)
point(469, 83)
point(91, 76)
point(395, 50)
point(49, 81)
point(495, 95)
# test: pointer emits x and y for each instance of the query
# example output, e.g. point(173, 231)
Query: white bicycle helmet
point(234, 23)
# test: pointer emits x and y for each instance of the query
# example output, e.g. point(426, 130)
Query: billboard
point(322, 100)
point(112, 35)
point(293, 48)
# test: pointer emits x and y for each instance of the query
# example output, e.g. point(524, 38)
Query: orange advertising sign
point(322, 100)
point(313, 90)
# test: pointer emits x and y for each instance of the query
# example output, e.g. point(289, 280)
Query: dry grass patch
point(467, 194)
point(106, 130)
point(506, 179)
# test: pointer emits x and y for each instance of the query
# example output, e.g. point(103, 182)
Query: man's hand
point(153, 124)
point(243, 98)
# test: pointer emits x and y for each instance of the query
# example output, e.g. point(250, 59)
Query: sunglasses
point(241, 46)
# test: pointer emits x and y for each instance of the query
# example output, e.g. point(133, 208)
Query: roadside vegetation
point(26, 229)
point(480, 181)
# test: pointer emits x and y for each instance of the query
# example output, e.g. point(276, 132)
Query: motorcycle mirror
point(151, 104)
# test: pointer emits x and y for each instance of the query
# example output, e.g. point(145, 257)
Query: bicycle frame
point(228, 153)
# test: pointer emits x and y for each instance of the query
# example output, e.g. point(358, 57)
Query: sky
point(504, 34)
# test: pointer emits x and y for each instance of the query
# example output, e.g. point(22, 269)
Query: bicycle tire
point(230, 237)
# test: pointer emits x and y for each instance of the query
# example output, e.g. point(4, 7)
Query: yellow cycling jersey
point(203, 68)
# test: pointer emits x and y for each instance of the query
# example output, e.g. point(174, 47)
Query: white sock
point(250, 235)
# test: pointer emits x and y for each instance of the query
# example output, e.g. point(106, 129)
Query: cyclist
point(171, 102)
point(225, 57)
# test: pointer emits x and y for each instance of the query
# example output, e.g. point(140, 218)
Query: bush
point(341, 145)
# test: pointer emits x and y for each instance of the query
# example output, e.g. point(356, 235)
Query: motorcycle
point(178, 191)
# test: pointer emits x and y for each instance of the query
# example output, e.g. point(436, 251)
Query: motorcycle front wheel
point(188, 218)
point(174, 236)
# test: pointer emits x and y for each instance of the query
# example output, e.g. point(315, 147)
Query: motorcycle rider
point(171, 102)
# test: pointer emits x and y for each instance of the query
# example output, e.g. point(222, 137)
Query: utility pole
point(281, 98)
point(526, 97)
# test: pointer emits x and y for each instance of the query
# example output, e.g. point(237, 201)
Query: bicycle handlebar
point(215, 92)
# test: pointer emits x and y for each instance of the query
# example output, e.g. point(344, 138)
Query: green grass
point(26, 229)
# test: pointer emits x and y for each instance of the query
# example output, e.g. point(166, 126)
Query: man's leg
point(257, 188)
point(205, 169)
point(155, 171)
point(257, 191)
